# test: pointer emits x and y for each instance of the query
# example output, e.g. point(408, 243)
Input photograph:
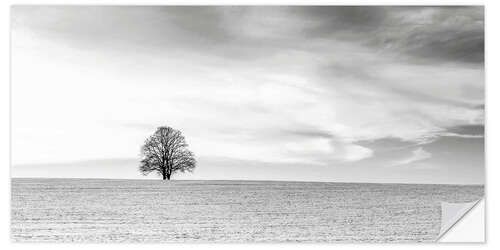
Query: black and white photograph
point(245, 124)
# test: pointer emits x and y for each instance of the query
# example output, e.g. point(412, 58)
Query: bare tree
point(165, 152)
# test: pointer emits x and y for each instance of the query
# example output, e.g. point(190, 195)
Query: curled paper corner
point(453, 213)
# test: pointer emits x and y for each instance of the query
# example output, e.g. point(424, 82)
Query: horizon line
point(255, 180)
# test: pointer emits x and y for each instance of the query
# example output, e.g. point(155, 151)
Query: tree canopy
point(165, 153)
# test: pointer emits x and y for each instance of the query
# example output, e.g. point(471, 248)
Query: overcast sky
point(366, 94)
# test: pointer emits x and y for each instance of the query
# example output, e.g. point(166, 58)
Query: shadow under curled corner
point(462, 219)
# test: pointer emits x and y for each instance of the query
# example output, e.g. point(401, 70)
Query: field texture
point(93, 210)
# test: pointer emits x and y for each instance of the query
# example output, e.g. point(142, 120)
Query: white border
point(492, 134)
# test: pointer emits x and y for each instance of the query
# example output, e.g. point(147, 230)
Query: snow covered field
point(101, 210)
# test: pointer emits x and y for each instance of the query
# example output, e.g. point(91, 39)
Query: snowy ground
point(93, 210)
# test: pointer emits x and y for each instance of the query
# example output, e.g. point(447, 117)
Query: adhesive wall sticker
point(245, 123)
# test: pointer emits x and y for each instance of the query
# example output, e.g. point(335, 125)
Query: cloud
point(273, 84)
point(423, 34)
point(418, 155)
point(461, 135)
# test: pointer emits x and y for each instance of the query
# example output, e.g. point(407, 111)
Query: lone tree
point(165, 152)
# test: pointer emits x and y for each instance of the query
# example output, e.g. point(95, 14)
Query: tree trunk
point(168, 176)
point(164, 174)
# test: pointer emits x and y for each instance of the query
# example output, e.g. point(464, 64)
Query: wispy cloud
point(461, 135)
point(417, 155)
